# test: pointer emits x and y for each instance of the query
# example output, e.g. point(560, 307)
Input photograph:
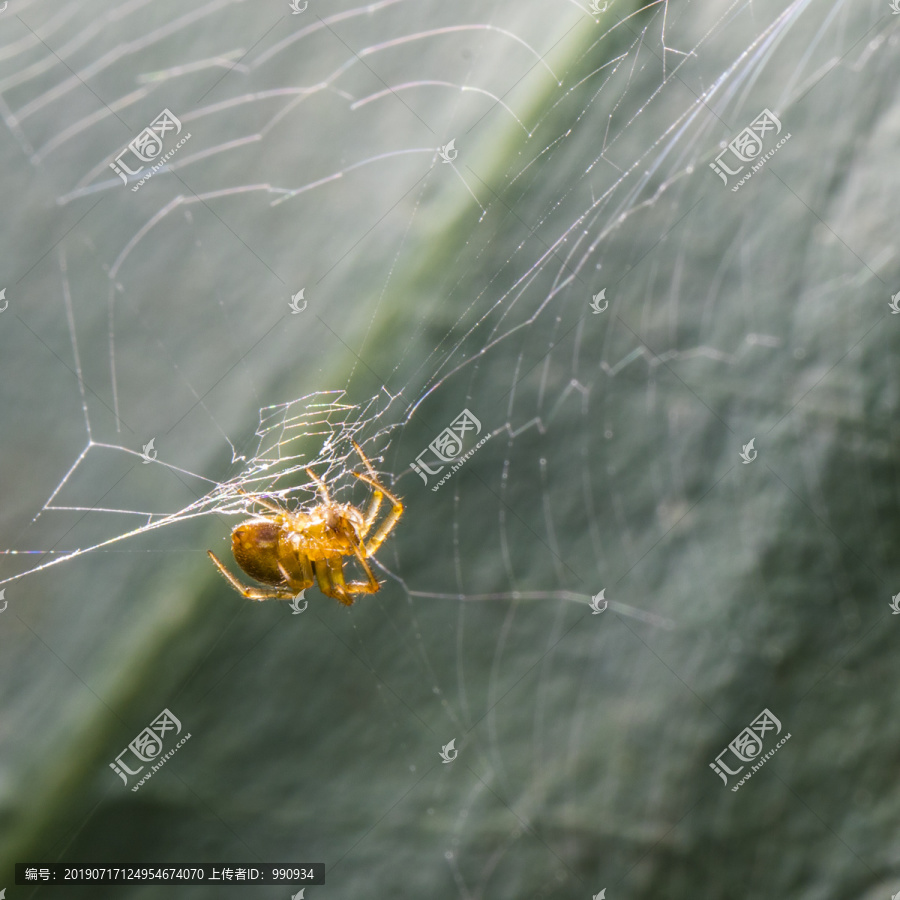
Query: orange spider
point(291, 550)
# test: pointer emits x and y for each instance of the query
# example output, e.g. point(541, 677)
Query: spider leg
point(306, 578)
point(325, 577)
point(377, 496)
point(330, 573)
point(371, 512)
point(252, 593)
point(390, 521)
point(319, 484)
point(365, 460)
point(359, 587)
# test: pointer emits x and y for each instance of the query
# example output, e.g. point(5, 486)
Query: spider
point(289, 551)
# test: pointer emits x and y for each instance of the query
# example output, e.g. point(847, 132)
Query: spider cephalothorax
point(289, 551)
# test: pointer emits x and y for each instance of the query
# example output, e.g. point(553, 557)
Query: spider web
point(283, 426)
point(445, 189)
point(276, 468)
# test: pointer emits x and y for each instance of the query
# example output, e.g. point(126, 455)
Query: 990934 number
point(293, 874)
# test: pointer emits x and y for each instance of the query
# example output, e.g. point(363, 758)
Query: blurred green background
point(584, 742)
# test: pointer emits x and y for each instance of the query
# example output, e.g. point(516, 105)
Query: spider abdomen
point(255, 548)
